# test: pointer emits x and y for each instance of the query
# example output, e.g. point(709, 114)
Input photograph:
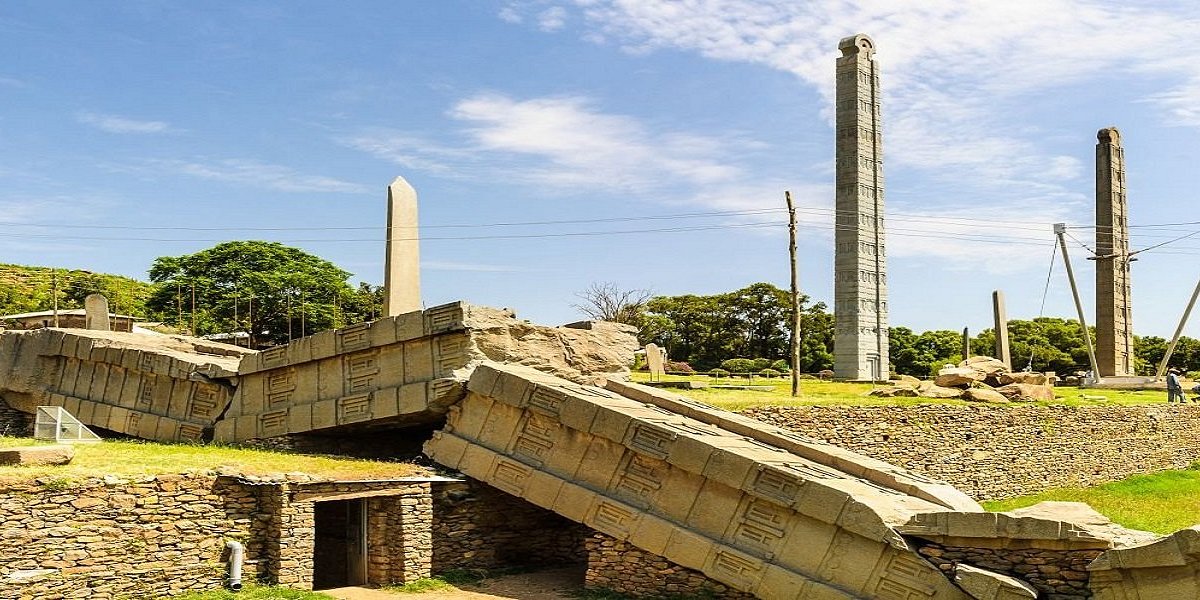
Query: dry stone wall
point(110, 539)
point(1056, 574)
point(1005, 451)
point(476, 526)
point(623, 568)
point(14, 422)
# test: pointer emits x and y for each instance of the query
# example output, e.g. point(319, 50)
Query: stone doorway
point(340, 548)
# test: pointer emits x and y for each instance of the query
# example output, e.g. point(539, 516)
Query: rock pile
point(977, 379)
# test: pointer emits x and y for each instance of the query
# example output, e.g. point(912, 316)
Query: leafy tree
point(273, 291)
point(923, 355)
point(753, 321)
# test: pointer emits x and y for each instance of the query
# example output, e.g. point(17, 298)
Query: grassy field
point(126, 458)
point(817, 392)
point(255, 593)
point(1162, 502)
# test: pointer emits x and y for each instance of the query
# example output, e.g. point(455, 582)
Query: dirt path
point(553, 584)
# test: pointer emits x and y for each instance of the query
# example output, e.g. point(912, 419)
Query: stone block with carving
point(749, 505)
point(404, 370)
point(167, 388)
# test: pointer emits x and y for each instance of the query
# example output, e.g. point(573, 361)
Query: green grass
point(255, 593)
point(814, 392)
point(420, 586)
point(1162, 502)
point(127, 458)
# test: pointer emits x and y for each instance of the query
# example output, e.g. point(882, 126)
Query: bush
point(782, 366)
point(739, 365)
point(769, 373)
point(719, 373)
point(762, 363)
point(678, 367)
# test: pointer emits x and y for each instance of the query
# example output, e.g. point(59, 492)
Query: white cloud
point(256, 174)
point(117, 124)
point(565, 143)
point(954, 73)
point(511, 14)
point(949, 67)
point(552, 19)
point(579, 145)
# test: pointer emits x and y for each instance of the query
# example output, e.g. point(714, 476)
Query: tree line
point(755, 322)
point(276, 293)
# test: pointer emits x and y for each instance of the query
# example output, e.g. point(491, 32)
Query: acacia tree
point(271, 290)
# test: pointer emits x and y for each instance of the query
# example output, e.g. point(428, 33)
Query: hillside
point(28, 289)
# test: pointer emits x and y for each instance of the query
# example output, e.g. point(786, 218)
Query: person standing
point(1174, 387)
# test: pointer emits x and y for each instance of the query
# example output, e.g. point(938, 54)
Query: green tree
point(923, 355)
point(754, 321)
point(273, 291)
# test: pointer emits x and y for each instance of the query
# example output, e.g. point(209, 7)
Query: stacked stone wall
point(101, 540)
point(1056, 574)
point(623, 568)
point(993, 452)
point(476, 526)
point(14, 422)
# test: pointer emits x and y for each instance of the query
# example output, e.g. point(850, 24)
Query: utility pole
point(1060, 230)
point(795, 345)
point(303, 316)
point(289, 313)
point(193, 308)
point(250, 321)
point(54, 293)
point(178, 304)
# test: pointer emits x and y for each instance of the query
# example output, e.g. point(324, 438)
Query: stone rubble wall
point(1056, 574)
point(621, 567)
point(994, 452)
point(13, 422)
point(398, 538)
point(109, 539)
point(99, 540)
point(476, 526)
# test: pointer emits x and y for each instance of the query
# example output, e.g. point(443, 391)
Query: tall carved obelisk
point(1114, 310)
point(860, 344)
point(402, 266)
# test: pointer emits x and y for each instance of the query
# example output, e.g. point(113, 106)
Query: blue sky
point(662, 133)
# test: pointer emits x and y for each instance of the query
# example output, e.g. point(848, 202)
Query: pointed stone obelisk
point(860, 346)
point(1114, 330)
point(402, 266)
point(1001, 319)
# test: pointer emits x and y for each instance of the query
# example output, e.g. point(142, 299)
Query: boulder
point(37, 455)
point(929, 389)
point(999, 379)
point(906, 379)
point(985, 365)
point(894, 391)
point(983, 394)
point(1029, 378)
point(582, 355)
point(1026, 392)
point(958, 377)
point(988, 585)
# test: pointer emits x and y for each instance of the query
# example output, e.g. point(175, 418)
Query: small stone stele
point(37, 455)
